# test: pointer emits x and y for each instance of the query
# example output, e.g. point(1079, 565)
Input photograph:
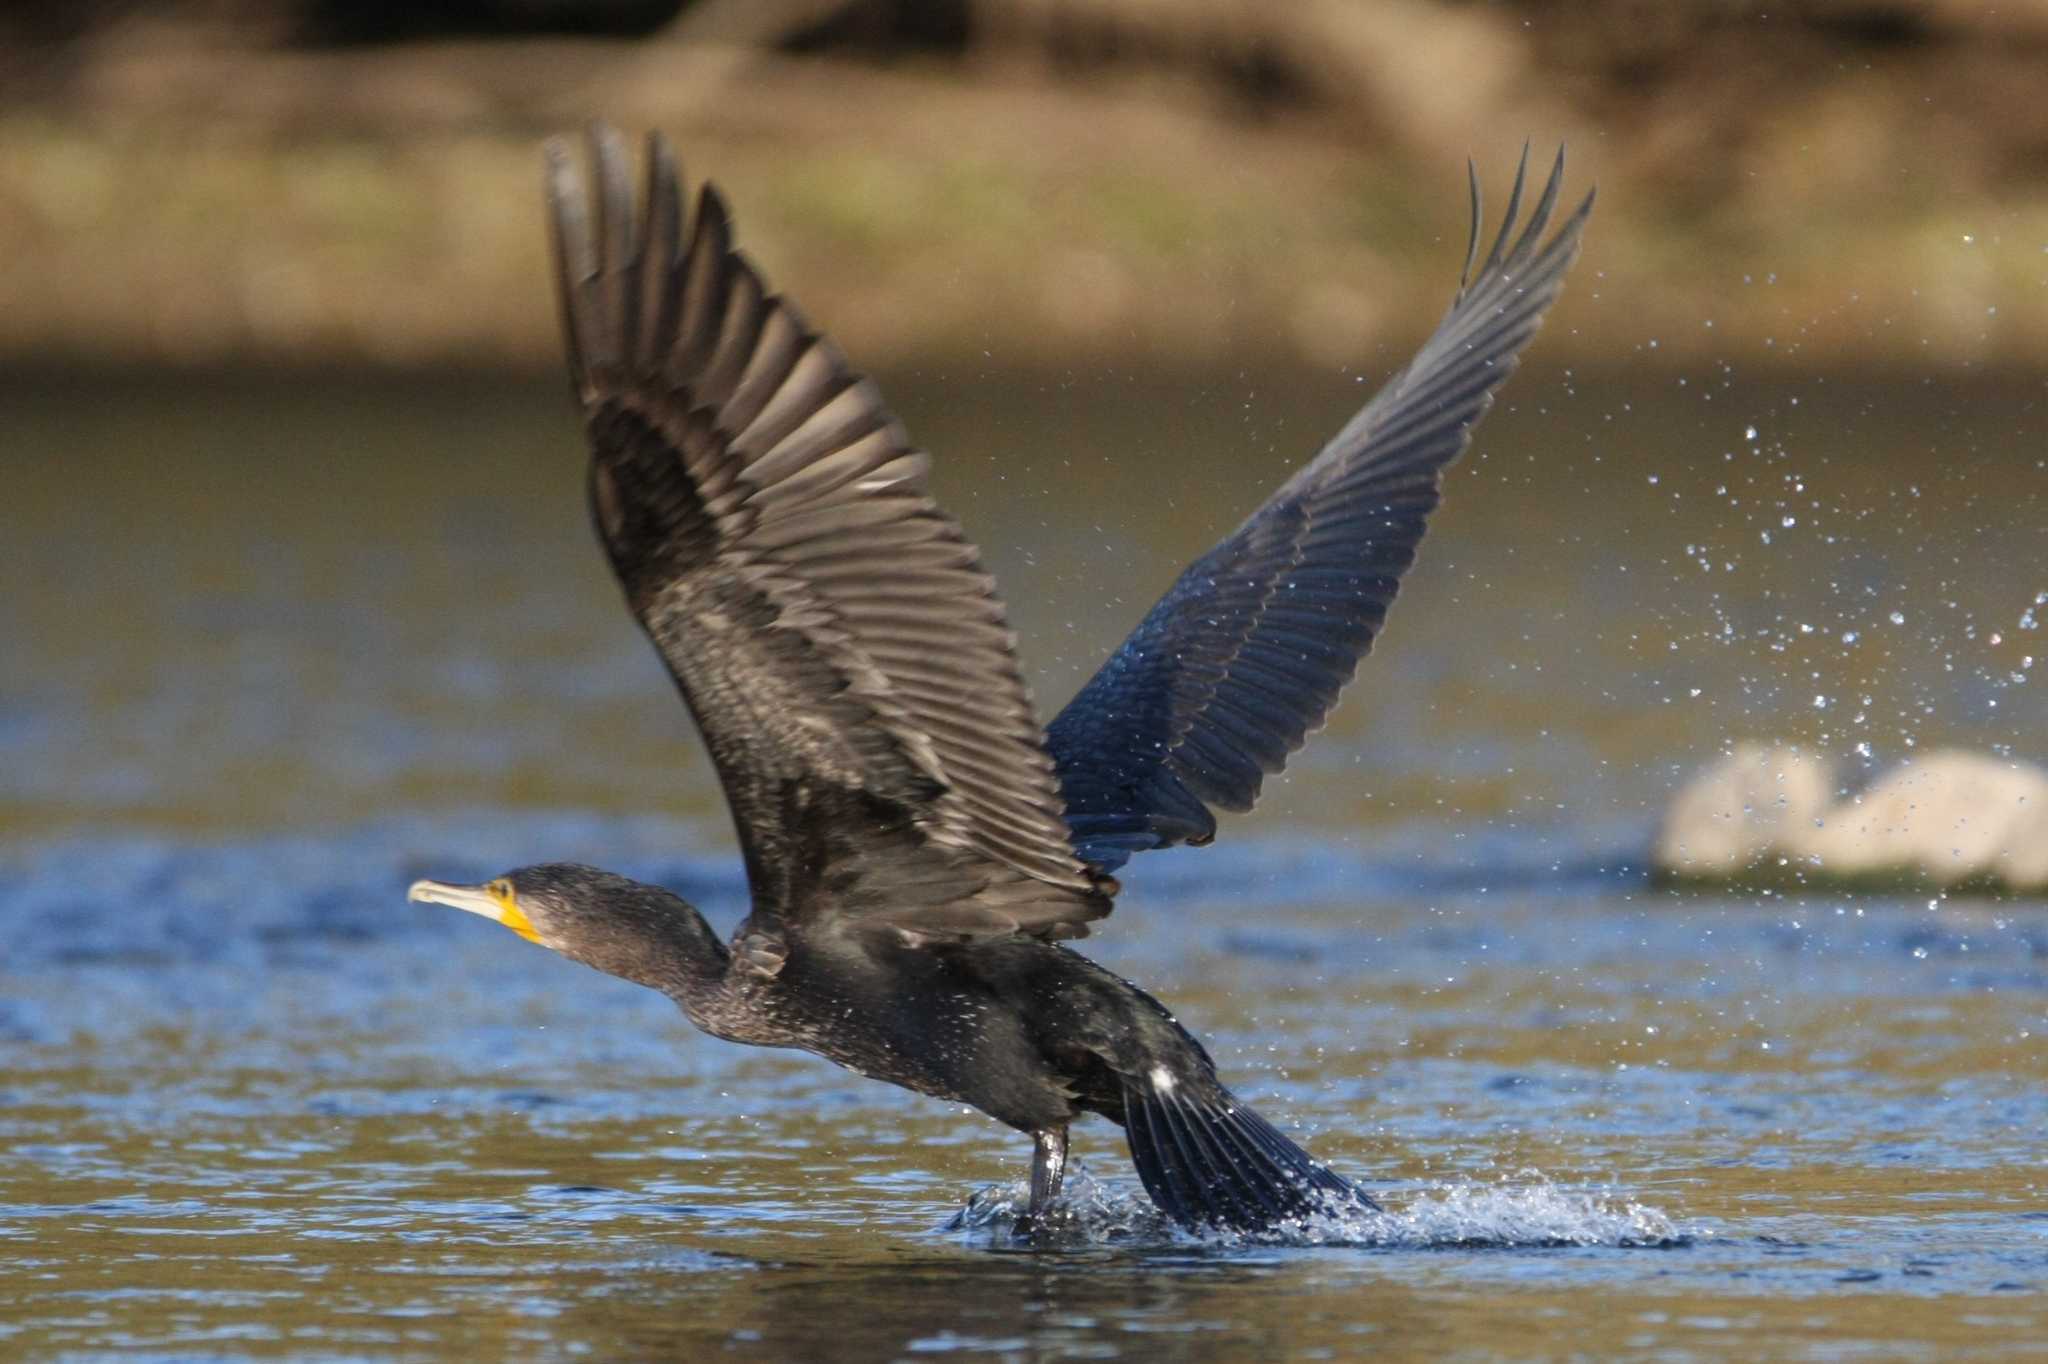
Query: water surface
point(277, 645)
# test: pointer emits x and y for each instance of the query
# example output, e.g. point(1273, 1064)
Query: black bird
point(915, 846)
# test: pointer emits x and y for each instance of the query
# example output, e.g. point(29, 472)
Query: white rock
point(1946, 817)
point(1742, 810)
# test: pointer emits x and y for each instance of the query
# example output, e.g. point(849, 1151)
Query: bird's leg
point(1048, 1168)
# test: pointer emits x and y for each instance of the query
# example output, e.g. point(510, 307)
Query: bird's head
point(622, 927)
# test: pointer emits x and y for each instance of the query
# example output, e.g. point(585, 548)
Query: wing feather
point(1245, 654)
point(831, 629)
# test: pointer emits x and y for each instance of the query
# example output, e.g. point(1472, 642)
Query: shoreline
point(381, 207)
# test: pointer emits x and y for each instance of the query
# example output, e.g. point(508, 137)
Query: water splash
point(1088, 1213)
point(1527, 1212)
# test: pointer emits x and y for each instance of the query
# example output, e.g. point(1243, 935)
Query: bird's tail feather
point(1209, 1161)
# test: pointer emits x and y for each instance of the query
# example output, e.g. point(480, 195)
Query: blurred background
point(298, 601)
point(1845, 183)
point(293, 534)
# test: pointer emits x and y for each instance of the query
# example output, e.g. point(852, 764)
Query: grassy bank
point(185, 201)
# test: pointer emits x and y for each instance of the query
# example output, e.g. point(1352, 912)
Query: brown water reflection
point(241, 602)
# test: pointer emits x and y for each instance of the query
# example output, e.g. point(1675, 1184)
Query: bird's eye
point(501, 889)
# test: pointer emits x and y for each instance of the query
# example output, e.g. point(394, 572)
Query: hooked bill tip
point(475, 899)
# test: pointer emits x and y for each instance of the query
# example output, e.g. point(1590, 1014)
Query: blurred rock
point(1779, 814)
point(1753, 802)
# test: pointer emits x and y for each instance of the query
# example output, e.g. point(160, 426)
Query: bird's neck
point(694, 968)
point(710, 993)
point(661, 942)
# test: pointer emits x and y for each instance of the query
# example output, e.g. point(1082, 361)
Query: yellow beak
point(494, 902)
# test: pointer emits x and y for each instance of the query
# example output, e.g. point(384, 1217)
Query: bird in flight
point(918, 850)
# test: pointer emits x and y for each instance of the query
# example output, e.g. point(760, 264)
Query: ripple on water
point(214, 1054)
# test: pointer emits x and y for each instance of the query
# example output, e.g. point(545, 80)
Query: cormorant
point(916, 847)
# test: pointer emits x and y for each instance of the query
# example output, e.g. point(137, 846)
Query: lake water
point(275, 645)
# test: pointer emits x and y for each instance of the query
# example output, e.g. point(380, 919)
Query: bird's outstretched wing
point(832, 631)
point(1247, 651)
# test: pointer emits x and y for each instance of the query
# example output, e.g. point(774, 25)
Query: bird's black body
point(1028, 1031)
point(916, 846)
